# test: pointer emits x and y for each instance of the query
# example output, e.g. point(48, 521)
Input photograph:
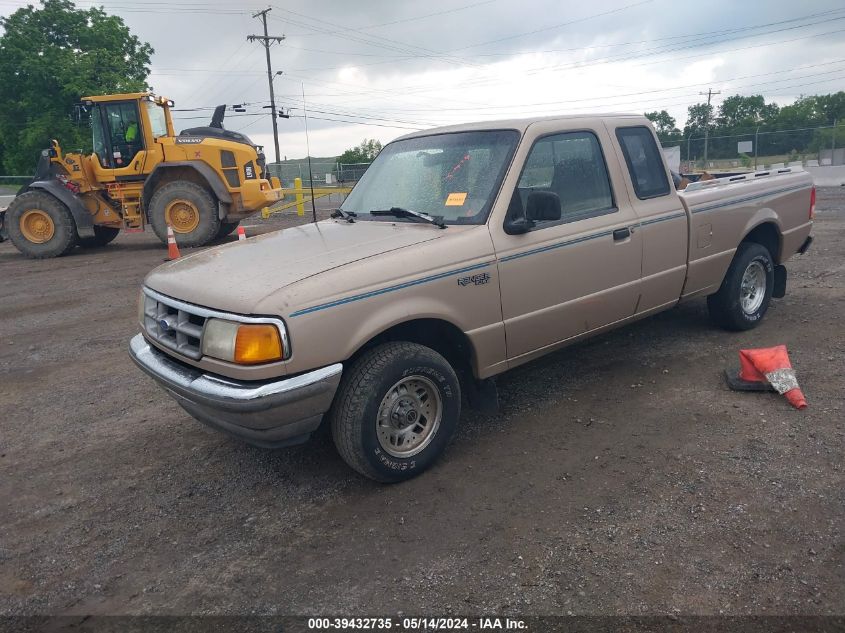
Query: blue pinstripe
point(542, 249)
point(727, 203)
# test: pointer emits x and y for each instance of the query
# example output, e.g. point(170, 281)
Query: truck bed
point(721, 209)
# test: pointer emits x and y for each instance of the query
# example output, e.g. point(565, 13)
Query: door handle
point(621, 234)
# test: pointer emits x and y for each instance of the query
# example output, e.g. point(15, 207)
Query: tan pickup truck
point(462, 252)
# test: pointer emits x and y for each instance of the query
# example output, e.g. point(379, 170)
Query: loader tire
point(189, 208)
point(226, 228)
point(102, 236)
point(40, 226)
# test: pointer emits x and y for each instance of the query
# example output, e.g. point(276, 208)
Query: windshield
point(158, 123)
point(453, 176)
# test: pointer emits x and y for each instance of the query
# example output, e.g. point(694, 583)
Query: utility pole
point(709, 94)
point(267, 41)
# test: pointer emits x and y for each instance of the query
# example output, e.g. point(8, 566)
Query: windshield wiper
point(347, 215)
point(399, 212)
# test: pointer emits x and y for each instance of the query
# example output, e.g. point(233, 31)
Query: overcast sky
point(383, 67)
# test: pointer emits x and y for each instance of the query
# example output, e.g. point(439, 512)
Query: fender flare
point(80, 213)
point(761, 217)
point(207, 172)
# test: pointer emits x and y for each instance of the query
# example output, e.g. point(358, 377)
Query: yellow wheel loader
point(201, 182)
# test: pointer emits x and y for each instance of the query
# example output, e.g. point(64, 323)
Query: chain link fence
point(763, 149)
point(322, 172)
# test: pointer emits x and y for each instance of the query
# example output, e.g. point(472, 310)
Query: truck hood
point(235, 277)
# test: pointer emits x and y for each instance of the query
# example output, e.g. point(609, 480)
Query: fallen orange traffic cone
point(172, 248)
point(768, 369)
point(241, 233)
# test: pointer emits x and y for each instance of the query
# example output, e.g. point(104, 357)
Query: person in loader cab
point(131, 141)
point(131, 132)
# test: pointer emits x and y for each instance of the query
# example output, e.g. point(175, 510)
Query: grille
point(173, 327)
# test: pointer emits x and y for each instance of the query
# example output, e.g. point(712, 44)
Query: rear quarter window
point(644, 160)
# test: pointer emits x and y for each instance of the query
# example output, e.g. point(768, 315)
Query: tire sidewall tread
point(226, 229)
point(65, 235)
point(209, 223)
point(354, 411)
point(724, 306)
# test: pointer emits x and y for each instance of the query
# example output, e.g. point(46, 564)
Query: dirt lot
point(621, 476)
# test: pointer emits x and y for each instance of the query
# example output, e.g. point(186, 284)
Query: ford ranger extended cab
point(462, 252)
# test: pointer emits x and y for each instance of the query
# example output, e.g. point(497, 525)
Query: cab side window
point(644, 160)
point(572, 166)
point(124, 130)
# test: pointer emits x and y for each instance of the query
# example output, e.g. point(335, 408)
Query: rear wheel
point(395, 411)
point(745, 293)
point(226, 228)
point(189, 209)
point(102, 236)
point(40, 226)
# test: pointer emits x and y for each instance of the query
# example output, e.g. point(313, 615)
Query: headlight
point(242, 343)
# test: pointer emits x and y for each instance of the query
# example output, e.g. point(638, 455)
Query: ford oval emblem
point(164, 325)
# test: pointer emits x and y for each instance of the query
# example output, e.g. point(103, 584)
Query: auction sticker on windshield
point(456, 199)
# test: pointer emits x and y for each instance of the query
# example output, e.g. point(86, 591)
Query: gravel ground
point(621, 476)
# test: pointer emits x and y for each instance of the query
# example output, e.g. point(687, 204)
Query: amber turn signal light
point(256, 344)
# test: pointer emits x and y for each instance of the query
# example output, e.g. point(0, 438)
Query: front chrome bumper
point(270, 414)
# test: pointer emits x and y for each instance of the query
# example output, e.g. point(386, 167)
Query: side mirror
point(518, 226)
point(543, 206)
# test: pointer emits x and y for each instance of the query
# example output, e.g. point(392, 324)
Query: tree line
point(793, 127)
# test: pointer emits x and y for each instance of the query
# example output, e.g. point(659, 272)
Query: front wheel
point(745, 293)
point(189, 209)
point(396, 410)
point(40, 226)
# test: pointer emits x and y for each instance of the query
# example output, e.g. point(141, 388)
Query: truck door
point(571, 275)
point(663, 220)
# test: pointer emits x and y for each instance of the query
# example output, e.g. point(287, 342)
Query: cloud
point(379, 68)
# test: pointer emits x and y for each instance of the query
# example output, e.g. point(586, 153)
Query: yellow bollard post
point(300, 204)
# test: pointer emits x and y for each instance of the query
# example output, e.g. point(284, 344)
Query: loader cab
point(117, 134)
point(125, 127)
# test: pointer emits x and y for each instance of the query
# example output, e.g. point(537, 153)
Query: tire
point(735, 306)
point(37, 213)
point(102, 235)
point(226, 228)
point(195, 200)
point(366, 390)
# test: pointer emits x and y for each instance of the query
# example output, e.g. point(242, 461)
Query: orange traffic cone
point(172, 248)
point(771, 365)
point(241, 233)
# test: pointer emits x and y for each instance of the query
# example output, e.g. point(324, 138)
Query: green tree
point(698, 116)
point(823, 139)
point(745, 112)
point(50, 57)
point(665, 126)
point(365, 152)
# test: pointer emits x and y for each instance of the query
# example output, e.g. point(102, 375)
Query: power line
point(629, 94)
point(415, 90)
point(652, 52)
